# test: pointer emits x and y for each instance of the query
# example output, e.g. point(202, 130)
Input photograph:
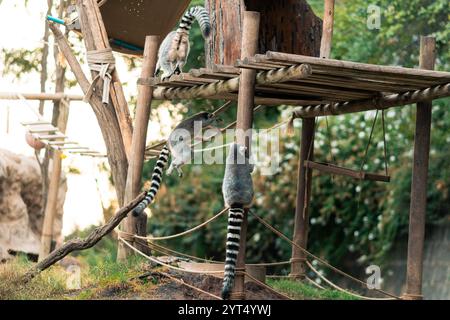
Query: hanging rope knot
point(290, 125)
point(103, 62)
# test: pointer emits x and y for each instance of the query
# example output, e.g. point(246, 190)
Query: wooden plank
point(341, 171)
point(244, 122)
point(427, 75)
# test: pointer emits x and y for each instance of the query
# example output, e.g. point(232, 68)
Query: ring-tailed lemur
point(174, 49)
point(237, 189)
point(179, 139)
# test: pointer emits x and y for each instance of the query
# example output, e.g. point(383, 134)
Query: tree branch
point(82, 244)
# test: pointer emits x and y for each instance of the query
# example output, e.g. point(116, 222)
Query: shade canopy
point(128, 22)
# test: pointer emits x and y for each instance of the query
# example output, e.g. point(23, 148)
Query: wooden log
point(81, 244)
point(244, 123)
point(53, 188)
point(92, 23)
point(304, 174)
point(400, 72)
point(418, 204)
point(39, 96)
point(232, 85)
point(50, 208)
point(138, 225)
point(106, 118)
point(327, 29)
point(336, 170)
point(385, 102)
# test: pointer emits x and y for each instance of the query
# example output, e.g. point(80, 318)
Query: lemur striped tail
point(161, 163)
point(202, 17)
point(235, 217)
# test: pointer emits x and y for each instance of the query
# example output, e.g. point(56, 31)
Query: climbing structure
point(317, 86)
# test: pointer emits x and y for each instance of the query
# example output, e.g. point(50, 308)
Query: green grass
point(105, 280)
point(303, 291)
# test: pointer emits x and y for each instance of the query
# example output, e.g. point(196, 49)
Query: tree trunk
point(286, 25)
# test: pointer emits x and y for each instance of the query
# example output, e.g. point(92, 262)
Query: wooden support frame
point(138, 225)
point(106, 117)
point(244, 122)
point(304, 175)
point(417, 212)
point(337, 170)
point(39, 96)
point(95, 38)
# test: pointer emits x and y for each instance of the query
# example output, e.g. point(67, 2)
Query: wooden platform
point(330, 80)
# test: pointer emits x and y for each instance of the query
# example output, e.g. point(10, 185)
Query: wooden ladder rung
point(62, 143)
point(42, 130)
point(36, 123)
point(72, 148)
point(51, 136)
point(333, 169)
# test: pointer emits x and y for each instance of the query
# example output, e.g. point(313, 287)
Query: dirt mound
point(169, 289)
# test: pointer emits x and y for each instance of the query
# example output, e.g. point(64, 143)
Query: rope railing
point(281, 235)
point(335, 286)
point(178, 234)
point(157, 261)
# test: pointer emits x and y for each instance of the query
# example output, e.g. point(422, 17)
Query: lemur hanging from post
point(179, 147)
point(174, 49)
point(237, 189)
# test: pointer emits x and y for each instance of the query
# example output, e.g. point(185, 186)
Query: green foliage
point(302, 291)
point(20, 62)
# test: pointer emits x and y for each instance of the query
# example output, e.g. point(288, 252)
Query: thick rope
point(335, 286)
point(157, 261)
point(103, 62)
point(181, 233)
point(314, 283)
point(165, 250)
point(282, 235)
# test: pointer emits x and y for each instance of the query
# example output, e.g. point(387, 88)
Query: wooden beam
point(304, 174)
point(39, 96)
point(385, 71)
point(385, 102)
point(244, 123)
point(355, 174)
point(106, 118)
point(50, 208)
point(138, 225)
point(327, 29)
point(301, 220)
point(417, 211)
point(228, 86)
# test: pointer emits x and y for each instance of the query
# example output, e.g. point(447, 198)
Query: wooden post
point(327, 29)
point(138, 225)
point(50, 208)
point(53, 187)
point(304, 176)
point(244, 123)
point(301, 224)
point(417, 211)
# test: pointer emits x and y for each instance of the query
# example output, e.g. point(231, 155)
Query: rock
point(21, 205)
